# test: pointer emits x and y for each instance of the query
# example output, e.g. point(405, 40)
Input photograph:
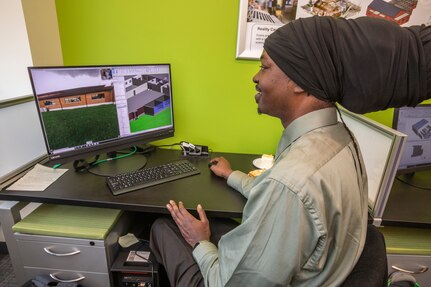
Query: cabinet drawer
point(63, 256)
point(87, 279)
point(419, 264)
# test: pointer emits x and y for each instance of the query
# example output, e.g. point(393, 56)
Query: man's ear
point(298, 90)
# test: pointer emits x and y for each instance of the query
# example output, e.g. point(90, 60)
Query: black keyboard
point(150, 176)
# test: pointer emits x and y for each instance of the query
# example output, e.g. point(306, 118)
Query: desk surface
point(85, 189)
point(408, 205)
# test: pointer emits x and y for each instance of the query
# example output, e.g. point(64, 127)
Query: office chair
point(371, 270)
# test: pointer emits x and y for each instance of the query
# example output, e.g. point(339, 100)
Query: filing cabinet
point(415, 265)
point(65, 259)
point(409, 251)
point(70, 243)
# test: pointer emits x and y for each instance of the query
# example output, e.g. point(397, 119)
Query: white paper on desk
point(37, 179)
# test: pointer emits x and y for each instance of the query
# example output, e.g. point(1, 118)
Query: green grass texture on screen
point(73, 127)
point(146, 122)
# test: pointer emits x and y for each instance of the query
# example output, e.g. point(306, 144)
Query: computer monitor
point(89, 110)
point(415, 122)
point(416, 158)
point(381, 148)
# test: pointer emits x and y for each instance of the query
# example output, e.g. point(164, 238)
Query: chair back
point(371, 270)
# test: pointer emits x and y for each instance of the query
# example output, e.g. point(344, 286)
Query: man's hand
point(192, 229)
point(221, 167)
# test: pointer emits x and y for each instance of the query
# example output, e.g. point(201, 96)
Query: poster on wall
point(259, 18)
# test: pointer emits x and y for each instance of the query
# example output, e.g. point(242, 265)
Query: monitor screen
point(416, 123)
point(88, 110)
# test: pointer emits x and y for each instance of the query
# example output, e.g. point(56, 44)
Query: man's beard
point(257, 99)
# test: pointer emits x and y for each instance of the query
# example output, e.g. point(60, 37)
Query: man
point(305, 219)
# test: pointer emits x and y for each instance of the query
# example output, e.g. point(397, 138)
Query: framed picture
point(257, 20)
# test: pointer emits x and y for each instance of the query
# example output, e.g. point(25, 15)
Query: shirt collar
point(305, 124)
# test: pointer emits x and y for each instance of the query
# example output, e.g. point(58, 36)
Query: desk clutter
point(135, 265)
point(47, 281)
point(265, 162)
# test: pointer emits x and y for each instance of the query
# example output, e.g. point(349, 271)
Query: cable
point(114, 158)
point(55, 166)
point(82, 165)
point(170, 145)
point(143, 242)
point(413, 185)
point(97, 162)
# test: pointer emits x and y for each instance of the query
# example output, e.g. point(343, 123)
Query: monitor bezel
point(105, 147)
point(415, 168)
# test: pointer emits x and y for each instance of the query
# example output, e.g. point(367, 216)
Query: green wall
point(212, 91)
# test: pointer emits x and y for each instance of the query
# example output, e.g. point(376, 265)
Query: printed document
point(37, 179)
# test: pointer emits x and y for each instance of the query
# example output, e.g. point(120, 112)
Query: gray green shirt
point(304, 223)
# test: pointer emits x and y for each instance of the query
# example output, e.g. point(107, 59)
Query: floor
point(7, 277)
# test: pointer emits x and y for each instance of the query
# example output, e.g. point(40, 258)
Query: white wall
point(22, 139)
point(29, 36)
point(15, 54)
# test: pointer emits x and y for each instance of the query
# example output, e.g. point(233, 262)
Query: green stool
point(69, 221)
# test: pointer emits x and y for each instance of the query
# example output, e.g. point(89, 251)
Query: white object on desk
point(264, 162)
point(127, 240)
point(37, 179)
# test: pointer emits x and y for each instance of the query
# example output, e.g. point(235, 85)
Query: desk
point(85, 189)
point(408, 205)
point(409, 247)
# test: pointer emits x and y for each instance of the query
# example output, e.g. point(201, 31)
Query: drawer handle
point(59, 254)
point(422, 270)
point(53, 276)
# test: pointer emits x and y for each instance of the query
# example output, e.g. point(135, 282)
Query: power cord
point(144, 243)
point(83, 165)
point(413, 185)
point(115, 158)
point(170, 145)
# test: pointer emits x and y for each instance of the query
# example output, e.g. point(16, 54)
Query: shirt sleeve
point(275, 240)
point(206, 255)
point(241, 182)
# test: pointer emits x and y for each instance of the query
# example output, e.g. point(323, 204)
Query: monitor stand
point(418, 179)
point(113, 167)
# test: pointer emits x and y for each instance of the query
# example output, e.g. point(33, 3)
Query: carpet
point(7, 277)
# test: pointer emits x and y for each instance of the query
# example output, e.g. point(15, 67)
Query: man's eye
point(262, 67)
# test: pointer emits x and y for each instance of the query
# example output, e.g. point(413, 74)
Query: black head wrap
point(365, 64)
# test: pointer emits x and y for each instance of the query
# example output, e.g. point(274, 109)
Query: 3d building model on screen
point(398, 11)
point(76, 98)
point(334, 8)
point(417, 151)
point(65, 112)
point(147, 94)
point(422, 129)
